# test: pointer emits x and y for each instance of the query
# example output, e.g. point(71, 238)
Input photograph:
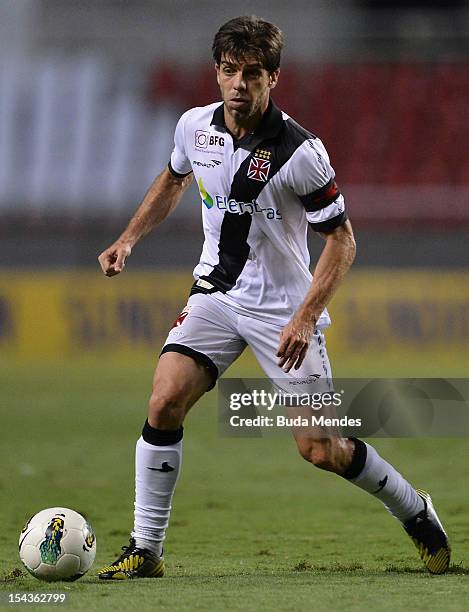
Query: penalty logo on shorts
point(181, 318)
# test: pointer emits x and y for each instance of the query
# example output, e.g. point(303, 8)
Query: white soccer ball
point(57, 544)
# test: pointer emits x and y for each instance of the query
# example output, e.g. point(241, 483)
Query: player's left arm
point(336, 258)
point(312, 178)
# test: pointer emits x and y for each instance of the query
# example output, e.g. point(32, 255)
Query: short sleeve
point(179, 164)
point(312, 178)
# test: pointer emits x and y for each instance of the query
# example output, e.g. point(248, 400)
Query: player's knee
point(322, 456)
point(305, 450)
point(331, 454)
point(165, 409)
point(318, 452)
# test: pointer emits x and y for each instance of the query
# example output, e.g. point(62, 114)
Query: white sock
point(154, 490)
point(379, 478)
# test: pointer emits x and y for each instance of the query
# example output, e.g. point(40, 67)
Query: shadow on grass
point(306, 566)
point(457, 569)
point(13, 575)
point(341, 568)
point(16, 575)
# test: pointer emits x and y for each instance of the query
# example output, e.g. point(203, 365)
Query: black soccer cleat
point(429, 537)
point(133, 563)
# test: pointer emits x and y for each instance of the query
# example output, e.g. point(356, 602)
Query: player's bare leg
point(179, 381)
point(333, 454)
point(359, 463)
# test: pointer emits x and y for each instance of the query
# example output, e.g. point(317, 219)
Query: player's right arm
point(162, 197)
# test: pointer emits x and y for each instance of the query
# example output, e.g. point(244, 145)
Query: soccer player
point(262, 180)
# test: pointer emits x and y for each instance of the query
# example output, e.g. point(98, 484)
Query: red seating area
point(383, 123)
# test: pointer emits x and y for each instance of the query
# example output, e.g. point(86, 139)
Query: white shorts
point(215, 335)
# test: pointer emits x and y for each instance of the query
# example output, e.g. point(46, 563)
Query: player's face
point(245, 87)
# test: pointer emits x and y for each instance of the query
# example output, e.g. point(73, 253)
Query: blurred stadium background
point(90, 92)
point(89, 96)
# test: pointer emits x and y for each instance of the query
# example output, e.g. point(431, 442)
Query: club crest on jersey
point(259, 169)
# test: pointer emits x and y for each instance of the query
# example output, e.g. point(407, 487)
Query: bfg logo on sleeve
point(204, 139)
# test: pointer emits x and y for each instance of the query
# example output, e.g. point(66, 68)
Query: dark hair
point(248, 36)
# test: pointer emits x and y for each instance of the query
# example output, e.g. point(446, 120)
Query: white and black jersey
point(258, 195)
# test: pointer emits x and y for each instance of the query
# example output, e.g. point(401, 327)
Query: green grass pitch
point(253, 527)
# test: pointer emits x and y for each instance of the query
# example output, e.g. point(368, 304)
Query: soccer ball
point(57, 544)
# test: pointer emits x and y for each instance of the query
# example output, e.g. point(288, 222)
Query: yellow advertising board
point(55, 314)
point(67, 313)
point(382, 309)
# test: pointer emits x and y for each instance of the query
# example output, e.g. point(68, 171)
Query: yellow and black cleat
point(429, 537)
point(133, 563)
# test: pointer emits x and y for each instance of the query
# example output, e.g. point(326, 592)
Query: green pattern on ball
point(50, 548)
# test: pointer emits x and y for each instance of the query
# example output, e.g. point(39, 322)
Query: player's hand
point(112, 260)
point(295, 338)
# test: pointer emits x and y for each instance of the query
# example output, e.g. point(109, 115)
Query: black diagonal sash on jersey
point(233, 247)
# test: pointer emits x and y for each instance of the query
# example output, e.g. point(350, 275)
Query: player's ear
point(273, 78)
point(217, 69)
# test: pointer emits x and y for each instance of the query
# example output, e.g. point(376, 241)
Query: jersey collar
point(268, 127)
